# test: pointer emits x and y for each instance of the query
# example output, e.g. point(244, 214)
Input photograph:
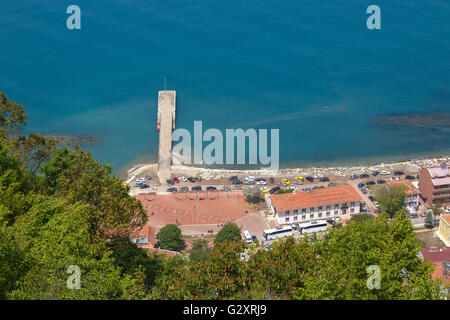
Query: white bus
point(248, 238)
point(277, 232)
point(312, 226)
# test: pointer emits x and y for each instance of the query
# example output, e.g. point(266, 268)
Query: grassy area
point(429, 238)
point(419, 242)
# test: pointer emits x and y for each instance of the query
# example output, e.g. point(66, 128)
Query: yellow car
point(124, 185)
point(299, 178)
point(284, 180)
point(265, 191)
point(287, 182)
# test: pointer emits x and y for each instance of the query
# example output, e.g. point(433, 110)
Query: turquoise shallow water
point(310, 68)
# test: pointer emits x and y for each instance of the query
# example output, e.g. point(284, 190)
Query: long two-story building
point(434, 184)
point(317, 204)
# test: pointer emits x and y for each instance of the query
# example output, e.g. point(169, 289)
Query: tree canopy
point(230, 232)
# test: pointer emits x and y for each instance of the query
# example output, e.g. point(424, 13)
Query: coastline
point(409, 166)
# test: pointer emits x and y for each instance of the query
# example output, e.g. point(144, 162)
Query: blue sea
point(310, 68)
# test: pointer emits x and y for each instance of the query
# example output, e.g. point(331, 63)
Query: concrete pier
point(166, 124)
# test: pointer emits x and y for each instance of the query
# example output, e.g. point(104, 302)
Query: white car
point(385, 173)
point(251, 178)
point(318, 176)
point(394, 178)
point(447, 210)
point(140, 179)
point(261, 182)
point(184, 179)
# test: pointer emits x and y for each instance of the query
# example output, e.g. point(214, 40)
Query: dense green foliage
point(253, 194)
point(59, 207)
point(391, 199)
point(429, 222)
point(199, 251)
point(170, 238)
point(230, 232)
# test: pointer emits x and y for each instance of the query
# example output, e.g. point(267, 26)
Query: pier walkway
point(166, 124)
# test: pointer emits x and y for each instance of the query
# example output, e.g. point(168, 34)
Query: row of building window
point(328, 207)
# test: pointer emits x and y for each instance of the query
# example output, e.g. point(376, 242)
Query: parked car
point(414, 216)
point(318, 176)
point(271, 180)
point(370, 183)
point(175, 179)
point(191, 179)
point(254, 238)
point(170, 182)
point(398, 173)
point(198, 178)
point(381, 181)
point(274, 189)
point(149, 177)
point(184, 179)
point(324, 179)
point(248, 182)
point(196, 188)
point(409, 177)
point(363, 175)
point(232, 178)
point(171, 189)
point(394, 179)
point(375, 173)
point(385, 173)
point(137, 184)
point(236, 187)
point(210, 188)
point(305, 188)
point(184, 189)
point(225, 187)
point(261, 182)
point(309, 178)
point(354, 176)
point(237, 182)
point(297, 182)
point(332, 184)
point(360, 185)
point(447, 210)
point(144, 186)
point(364, 190)
point(314, 188)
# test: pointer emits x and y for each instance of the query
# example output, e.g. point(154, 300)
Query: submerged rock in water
point(79, 140)
point(414, 120)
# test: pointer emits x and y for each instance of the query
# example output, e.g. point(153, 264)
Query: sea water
point(309, 68)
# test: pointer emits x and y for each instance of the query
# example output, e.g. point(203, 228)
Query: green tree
point(344, 255)
point(429, 222)
point(437, 210)
point(230, 232)
point(391, 199)
point(170, 238)
point(12, 116)
point(200, 250)
point(253, 194)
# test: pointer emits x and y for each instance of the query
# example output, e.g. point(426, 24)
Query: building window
point(328, 213)
point(352, 210)
point(328, 207)
point(303, 210)
point(295, 218)
point(320, 214)
point(304, 217)
point(320, 208)
point(296, 211)
point(335, 212)
point(287, 219)
point(311, 210)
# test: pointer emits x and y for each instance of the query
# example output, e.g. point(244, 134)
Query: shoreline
point(408, 166)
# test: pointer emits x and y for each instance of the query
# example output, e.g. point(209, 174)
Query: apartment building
point(444, 229)
point(434, 184)
point(323, 203)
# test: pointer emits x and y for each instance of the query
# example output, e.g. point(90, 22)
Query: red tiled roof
point(411, 188)
point(441, 273)
point(147, 236)
point(436, 254)
point(315, 198)
point(446, 217)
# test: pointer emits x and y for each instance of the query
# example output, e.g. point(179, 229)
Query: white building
point(323, 203)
